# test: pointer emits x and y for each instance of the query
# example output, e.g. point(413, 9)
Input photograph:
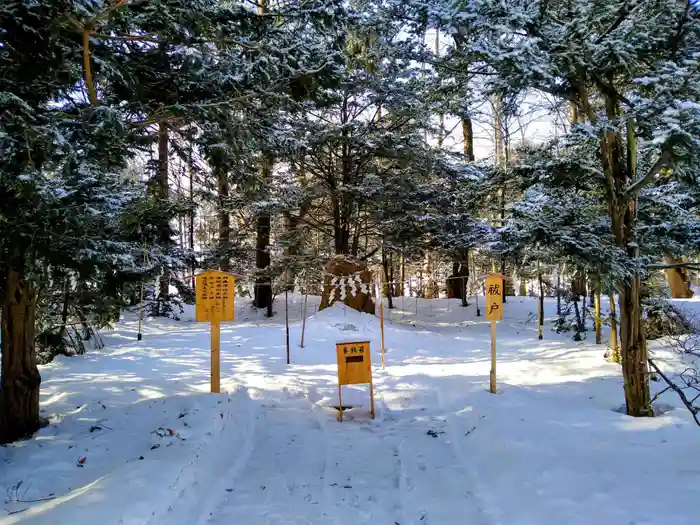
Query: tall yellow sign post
point(354, 368)
point(494, 312)
point(215, 304)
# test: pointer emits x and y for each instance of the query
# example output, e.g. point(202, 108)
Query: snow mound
point(337, 324)
point(343, 323)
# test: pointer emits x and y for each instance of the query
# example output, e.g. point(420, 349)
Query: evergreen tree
point(630, 75)
point(61, 190)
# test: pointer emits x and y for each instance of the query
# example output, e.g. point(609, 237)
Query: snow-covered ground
point(137, 439)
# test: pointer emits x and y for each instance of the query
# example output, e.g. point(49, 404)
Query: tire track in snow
point(282, 482)
point(235, 469)
point(436, 484)
point(487, 511)
point(368, 450)
point(328, 460)
point(197, 479)
point(432, 483)
point(401, 478)
point(341, 499)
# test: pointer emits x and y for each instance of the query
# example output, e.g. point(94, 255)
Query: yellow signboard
point(354, 364)
point(354, 368)
point(215, 296)
point(494, 297)
point(214, 304)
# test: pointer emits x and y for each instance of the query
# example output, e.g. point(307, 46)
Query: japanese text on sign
point(354, 363)
point(494, 298)
point(215, 296)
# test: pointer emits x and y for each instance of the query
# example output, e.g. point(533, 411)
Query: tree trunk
point(224, 219)
point(498, 132)
point(19, 386)
point(558, 292)
point(388, 266)
point(66, 304)
point(623, 214)
point(580, 320)
point(635, 360)
point(468, 132)
point(292, 247)
point(163, 195)
point(633, 351)
point(613, 330)
point(263, 283)
point(457, 284)
point(431, 289)
point(578, 285)
point(523, 284)
point(191, 217)
point(467, 127)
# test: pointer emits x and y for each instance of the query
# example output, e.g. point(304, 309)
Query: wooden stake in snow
point(303, 321)
point(215, 356)
point(286, 321)
point(540, 304)
point(492, 374)
point(381, 328)
point(598, 335)
point(139, 336)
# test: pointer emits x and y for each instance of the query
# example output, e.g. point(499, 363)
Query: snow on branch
point(664, 160)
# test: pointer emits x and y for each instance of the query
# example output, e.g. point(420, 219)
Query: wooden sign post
point(215, 304)
point(494, 312)
point(354, 368)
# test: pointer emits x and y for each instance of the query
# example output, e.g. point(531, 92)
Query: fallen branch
point(13, 495)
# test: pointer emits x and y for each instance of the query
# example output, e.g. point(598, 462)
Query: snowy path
point(305, 468)
point(136, 438)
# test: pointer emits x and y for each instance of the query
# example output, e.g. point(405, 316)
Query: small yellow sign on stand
point(493, 289)
point(215, 293)
point(354, 368)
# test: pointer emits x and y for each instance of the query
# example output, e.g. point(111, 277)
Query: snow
point(549, 448)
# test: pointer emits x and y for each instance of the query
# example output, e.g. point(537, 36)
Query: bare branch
point(677, 390)
point(665, 160)
point(622, 14)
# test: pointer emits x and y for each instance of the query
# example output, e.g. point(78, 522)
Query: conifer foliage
point(143, 140)
point(88, 88)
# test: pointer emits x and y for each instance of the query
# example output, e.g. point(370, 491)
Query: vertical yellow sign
point(494, 297)
point(494, 312)
point(354, 368)
point(215, 304)
point(215, 296)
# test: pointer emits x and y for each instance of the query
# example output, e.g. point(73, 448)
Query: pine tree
point(61, 189)
point(630, 74)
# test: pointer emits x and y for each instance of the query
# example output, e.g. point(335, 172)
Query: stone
point(348, 281)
